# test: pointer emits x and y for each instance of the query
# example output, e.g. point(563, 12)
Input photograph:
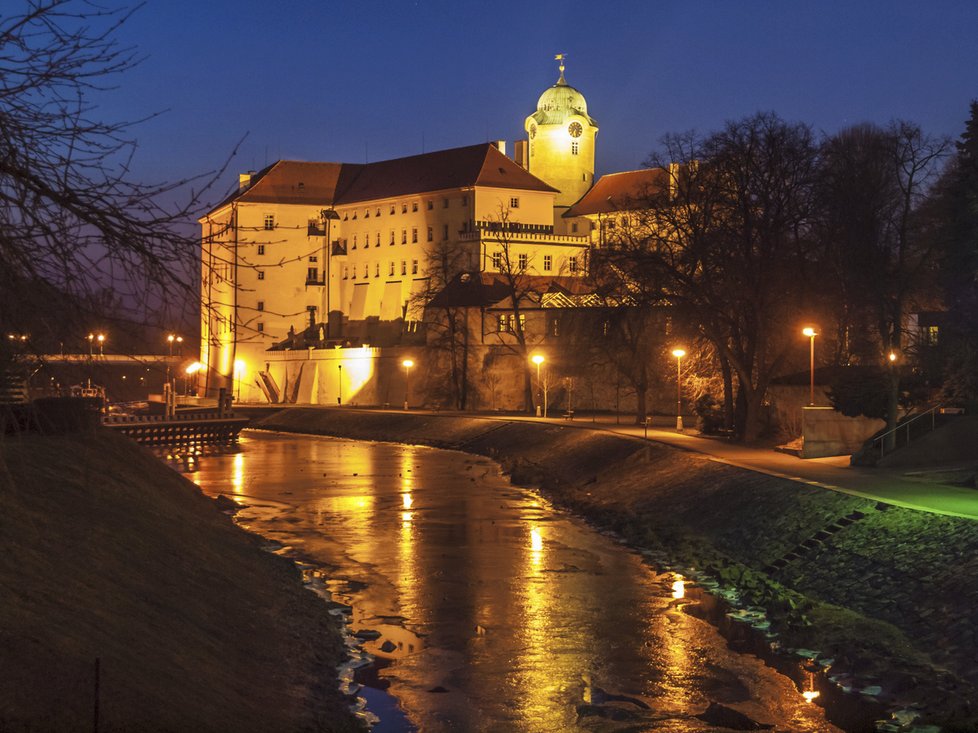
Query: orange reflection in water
point(237, 475)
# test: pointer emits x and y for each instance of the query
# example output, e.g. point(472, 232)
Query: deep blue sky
point(330, 80)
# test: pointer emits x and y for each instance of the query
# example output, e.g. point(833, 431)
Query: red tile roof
point(621, 192)
point(328, 184)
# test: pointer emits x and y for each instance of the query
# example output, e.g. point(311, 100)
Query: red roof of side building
point(621, 192)
point(329, 184)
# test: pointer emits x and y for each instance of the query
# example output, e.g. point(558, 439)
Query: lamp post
point(679, 354)
point(407, 364)
point(191, 371)
point(239, 367)
point(811, 333)
point(91, 340)
point(538, 359)
point(339, 385)
point(101, 344)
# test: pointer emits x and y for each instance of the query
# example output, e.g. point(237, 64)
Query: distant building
point(333, 256)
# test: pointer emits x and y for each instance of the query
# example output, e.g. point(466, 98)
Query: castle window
point(431, 204)
point(366, 214)
point(414, 206)
point(269, 221)
point(378, 239)
point(261, 305)
point(390, 270)
point(366, 269)
point(261, 275)
point(261, 327)
point(354, 241)
point(404, 267)
point(431, 234)
point(414, 267)
point(312, 274)
point(261, 249)
point(414, 236)
point(393, 209)
point(497, 260)
point(522, 261)
point(548, 261)
point(404, 236)
point(313, 258)
point(575, 148)
point(392, 237)
point(514, 202)
point(572, 264)
point(574, 227)
point(378, 211)
point(376, 269)
point(346, 272)
point(403, 208)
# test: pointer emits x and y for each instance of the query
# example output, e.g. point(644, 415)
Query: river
point(497, 612)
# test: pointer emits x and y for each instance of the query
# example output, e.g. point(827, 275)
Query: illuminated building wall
point(339, 244)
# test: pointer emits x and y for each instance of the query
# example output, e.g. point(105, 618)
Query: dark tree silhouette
point(72, 219)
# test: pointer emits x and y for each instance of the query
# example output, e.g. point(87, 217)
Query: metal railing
point(882, 440)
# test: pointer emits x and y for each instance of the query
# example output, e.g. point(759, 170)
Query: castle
point(314, 275)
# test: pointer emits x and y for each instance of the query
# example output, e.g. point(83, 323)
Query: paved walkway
point(878, 484)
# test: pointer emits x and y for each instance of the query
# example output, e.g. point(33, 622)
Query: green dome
point(560, 102)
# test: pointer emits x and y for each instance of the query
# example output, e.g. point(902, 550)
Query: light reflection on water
point(499, 613)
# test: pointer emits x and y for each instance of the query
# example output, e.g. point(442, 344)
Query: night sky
point(345, 81)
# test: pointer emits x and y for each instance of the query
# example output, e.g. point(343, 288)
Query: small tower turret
point(560, 140)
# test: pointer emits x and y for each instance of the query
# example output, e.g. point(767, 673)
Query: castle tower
point(560, 141)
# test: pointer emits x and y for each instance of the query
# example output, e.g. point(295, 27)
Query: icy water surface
point(498, 612)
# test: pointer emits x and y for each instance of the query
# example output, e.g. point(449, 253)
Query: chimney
point(519, 153)
point(244, 180)
point(499, 145)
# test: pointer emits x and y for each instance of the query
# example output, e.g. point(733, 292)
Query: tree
point(956, 210)
point(72, 220)
point(728, 239)
point(620, 330)
point(872, 184)
point(447, 328)
point(520, 292)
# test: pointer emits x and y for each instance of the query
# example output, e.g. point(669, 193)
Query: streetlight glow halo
point(679, 353)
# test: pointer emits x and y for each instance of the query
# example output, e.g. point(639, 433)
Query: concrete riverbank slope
point(108, 554)
point(890, 594)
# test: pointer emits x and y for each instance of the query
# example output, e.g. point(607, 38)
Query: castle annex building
point(339, 258)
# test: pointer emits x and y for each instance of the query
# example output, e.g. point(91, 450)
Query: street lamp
point(538, 359)
point(407, 364)
point(101, 343)
point(239, 367)
point(679, 354)
point(811, 333)
point(91, 339)
point(191, 371)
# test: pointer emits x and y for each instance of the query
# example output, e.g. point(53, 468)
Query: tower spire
point(560, 57)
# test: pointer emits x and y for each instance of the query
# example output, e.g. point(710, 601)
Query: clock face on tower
point(533, 131)
point(575, 129)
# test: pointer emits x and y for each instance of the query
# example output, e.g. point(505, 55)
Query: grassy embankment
point(109, 554)
point(890, 595)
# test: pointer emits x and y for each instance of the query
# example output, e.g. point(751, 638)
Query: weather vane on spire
point(560, 57)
